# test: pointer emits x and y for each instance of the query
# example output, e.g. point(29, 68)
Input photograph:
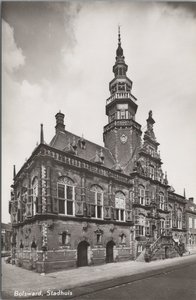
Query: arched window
point(161, 201)
point(35, 195)
point(66, 196)
point(120, 206)
point(97, 207)
point(179, 218)
point(141, 195)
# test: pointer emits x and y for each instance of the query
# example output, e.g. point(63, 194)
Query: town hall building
point(76, 203)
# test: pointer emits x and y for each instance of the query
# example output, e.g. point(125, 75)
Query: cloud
point(12, 56)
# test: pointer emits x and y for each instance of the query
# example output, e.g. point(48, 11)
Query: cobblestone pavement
point(18, 279)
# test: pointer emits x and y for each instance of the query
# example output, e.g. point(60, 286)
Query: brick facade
point(76, 203)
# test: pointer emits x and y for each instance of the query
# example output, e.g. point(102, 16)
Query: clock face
point(123, 138)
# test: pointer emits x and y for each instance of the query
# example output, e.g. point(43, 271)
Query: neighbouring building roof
point(7, 227)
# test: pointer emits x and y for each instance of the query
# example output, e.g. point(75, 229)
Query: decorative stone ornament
point(123, 138)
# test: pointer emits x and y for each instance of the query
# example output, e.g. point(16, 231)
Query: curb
point(90, 288)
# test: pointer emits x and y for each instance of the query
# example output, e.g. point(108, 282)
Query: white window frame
point(152, 172)
point(96, 189)
point(65, 199)
point(162, 225)
point(120, 208)
point(35, 189)
point(141, 226)
point(147, 229)
point(179, 219)
point(190, 222)
point(142, 195)
point(161, 201)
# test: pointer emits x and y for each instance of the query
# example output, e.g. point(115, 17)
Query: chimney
point(59, 122)
point(191, 199)
point(41, 135)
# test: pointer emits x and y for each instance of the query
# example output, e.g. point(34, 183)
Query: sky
point(59, 56)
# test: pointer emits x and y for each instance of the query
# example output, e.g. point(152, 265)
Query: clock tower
point(122, 134)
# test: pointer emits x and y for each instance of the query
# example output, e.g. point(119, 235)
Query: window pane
point(70, 207)
point(117, 214)
point(122, 215)
point(93, 211)
point(99, 198)
point(99, 212)
point(61, 206)
point(69, 192)
point(61, 191)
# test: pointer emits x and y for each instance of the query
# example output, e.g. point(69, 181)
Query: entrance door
point(110, 252)
point(82, 254)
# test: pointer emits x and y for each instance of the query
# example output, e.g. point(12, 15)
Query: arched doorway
point(82, 254)
point(110, 252)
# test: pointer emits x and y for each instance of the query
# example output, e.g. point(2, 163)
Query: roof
point(65, 140)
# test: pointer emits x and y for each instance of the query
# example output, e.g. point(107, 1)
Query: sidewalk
point(18, 279)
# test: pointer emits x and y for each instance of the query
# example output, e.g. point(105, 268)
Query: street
point(165, 279)
point(179, 284)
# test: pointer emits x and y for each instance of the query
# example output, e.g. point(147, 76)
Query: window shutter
point(30, 196)
point(129, 216)
point(114, 213)
point(88, 210)
point(136, 217)
point(127, 203)
point(78, 193)
point(147, 197)
point(105, 199)
point(113, 200)
point(29, 209)
point(55, 205)
point(90, 196)
point(79, 207)
point(107, 212)
point(14, 217)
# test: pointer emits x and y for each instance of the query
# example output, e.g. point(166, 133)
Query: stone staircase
point(163, 247)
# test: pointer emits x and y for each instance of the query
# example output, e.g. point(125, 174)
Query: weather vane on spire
point(119, 39)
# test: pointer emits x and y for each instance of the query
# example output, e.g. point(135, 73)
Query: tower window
point(151, 169)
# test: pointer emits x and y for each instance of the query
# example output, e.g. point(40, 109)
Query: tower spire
point(119, 37)
point(119, 51)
